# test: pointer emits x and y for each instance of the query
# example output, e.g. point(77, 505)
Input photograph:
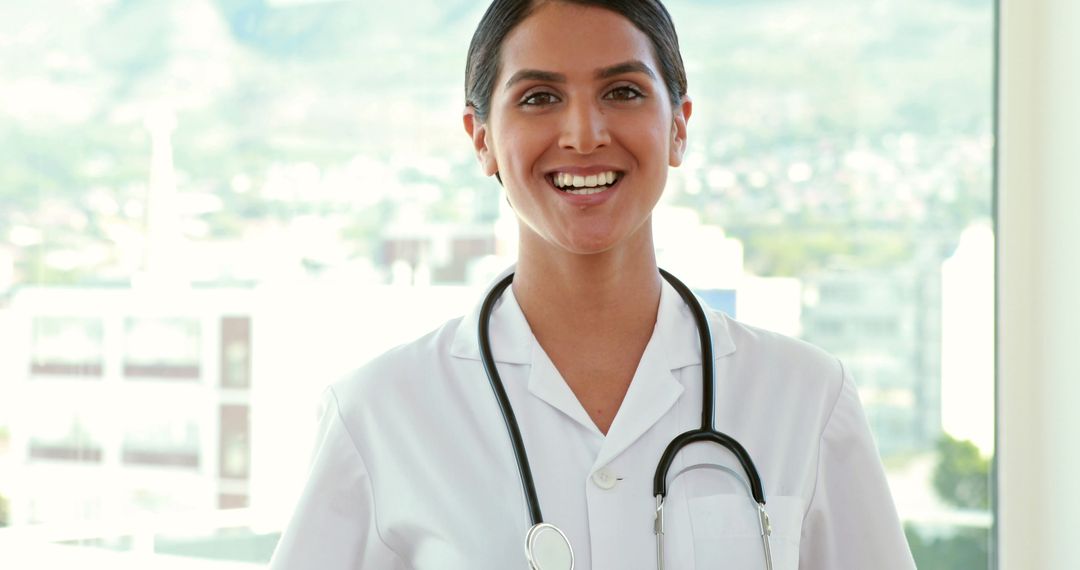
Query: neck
point(601, 296)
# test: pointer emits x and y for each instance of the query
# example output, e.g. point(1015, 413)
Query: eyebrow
point(632, 66)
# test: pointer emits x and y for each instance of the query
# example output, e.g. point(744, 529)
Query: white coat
point(413, 467)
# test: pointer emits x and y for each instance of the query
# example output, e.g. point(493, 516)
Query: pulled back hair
point(482, 66)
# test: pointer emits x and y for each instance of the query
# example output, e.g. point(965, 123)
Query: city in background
point(210, 209)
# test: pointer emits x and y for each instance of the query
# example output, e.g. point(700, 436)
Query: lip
point(585, 170)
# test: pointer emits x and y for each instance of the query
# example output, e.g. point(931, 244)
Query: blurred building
point(7, 268)
point(967, 328)
point(712, 264)
point(134, 401)
point(428, 253)
point(885, 325)
point(129, 403)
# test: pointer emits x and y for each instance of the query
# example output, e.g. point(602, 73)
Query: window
point(168, 437)
point(235, 352)
point(62, 433)
point(210, 209)
point(70, 347)
point(161, 348)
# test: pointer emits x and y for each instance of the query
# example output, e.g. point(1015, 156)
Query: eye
point(624, 93)
point(538, 99)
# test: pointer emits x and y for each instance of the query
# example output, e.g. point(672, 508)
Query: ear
point(678, 130)
point(478, 132)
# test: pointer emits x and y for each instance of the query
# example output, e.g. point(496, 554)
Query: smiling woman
point(209, 209)
point(579, 94)
point(580, 108)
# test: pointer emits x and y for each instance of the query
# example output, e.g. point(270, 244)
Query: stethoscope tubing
point(708, 373)
point(706, 433)
point(507, 410)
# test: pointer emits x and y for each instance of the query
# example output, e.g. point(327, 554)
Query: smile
point(579, 185)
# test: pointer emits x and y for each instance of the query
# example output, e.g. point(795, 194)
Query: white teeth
point(566, 180)
point(586, 191)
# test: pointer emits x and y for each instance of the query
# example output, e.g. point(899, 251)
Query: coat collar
point(675, 331)
point(515, 340)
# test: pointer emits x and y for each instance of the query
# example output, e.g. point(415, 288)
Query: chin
point(582, 239)
point(589, 245)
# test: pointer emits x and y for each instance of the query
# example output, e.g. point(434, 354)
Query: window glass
point(66, 346)
point(235, 351)
point(209, 209)
point(63, 432)
point(161, 348)
point(157, 435)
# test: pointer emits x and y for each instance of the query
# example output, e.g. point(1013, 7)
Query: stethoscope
point(546, 546)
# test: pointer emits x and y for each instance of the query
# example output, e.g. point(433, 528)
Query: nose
point(585, 128)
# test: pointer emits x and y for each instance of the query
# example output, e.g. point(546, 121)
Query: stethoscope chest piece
point(548, 548)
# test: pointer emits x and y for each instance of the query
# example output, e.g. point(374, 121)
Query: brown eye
point(539, 99)
point(624, 93)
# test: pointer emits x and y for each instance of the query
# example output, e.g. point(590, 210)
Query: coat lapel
point(548, 385)
point(653, 391)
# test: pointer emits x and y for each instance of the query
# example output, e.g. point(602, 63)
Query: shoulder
point(777, 352)
point(784, 374)
point(399, 373)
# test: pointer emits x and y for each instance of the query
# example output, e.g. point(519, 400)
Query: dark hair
point(482, 66)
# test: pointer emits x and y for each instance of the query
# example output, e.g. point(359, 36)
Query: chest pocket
point(726, 532)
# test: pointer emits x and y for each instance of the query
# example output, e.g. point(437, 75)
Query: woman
point(579, 108)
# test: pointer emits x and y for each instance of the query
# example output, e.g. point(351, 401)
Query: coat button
point(604, 479)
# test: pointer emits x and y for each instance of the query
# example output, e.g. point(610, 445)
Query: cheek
point(519, 151)
point(647, 127)
point(651, 145)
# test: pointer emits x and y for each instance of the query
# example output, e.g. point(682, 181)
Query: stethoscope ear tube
point(708, 374)
point(707, 432)
point(504, 402)
point(707, 435)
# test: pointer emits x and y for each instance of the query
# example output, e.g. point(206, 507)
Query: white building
point(885, 324)
point(128, 402)
point(967, 330)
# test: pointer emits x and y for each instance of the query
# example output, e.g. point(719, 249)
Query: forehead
point(573, 40)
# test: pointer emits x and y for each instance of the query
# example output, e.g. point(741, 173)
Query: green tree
point(962, 479)
point(965, 548)
point(962, 475)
